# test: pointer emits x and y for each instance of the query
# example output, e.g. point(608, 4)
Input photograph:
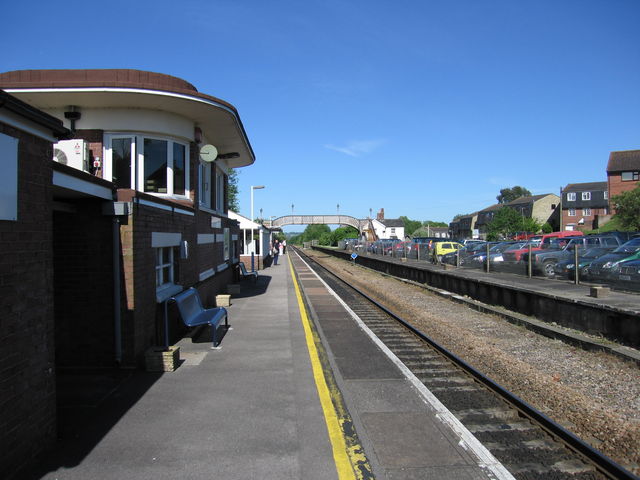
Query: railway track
point(528, 443)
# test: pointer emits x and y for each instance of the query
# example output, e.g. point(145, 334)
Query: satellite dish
point(208, 153)
point(59, 156)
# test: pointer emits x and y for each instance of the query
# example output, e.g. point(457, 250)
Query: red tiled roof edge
point(108, 78)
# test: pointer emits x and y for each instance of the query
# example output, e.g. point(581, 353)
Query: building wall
point(617, 186)
point(27, 375)
point(544, 208)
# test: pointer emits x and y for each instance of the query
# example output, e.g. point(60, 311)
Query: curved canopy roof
point(123, 88)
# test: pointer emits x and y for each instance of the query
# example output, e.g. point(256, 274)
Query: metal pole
point(529, 270)
point(488, 257)
point(576, 280)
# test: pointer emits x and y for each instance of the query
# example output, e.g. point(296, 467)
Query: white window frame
point(606, 195)
point(586, 212)
point(586, 195)
point(571, 197)
point(572, 212)
point(137, 152)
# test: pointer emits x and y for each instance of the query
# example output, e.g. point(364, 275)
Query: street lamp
point(253, 242)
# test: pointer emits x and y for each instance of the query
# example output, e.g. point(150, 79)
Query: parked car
point(603, 267)
point(442, 248)
point(628, 274)
point(543, 261)
point(566, 268)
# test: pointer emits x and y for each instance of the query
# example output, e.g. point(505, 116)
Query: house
point(105, 225)
point(623, 172)
point(542, 208)
point(583, 205)
point(464, 226)
point(485, 217)
point(387, 228)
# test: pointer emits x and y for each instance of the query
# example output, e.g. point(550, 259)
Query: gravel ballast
point(593, 394)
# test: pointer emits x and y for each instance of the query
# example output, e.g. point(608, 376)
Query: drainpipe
point(117, 320)
point(116, 209)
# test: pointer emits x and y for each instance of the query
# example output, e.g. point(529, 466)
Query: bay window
point(154, 165)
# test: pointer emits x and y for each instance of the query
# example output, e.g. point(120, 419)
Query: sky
point(426, 108)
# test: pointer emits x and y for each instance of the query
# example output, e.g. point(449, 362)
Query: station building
point(121, 201)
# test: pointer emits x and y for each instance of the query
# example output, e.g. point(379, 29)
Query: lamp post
point(253, 242)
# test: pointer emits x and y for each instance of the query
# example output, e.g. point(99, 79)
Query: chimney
point(380, 215)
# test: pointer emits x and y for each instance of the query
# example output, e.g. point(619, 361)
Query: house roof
point(496, 206)
point(586, 187)
point(125, 88)
point(392, 222)
point(624, 160)
point(529, 199)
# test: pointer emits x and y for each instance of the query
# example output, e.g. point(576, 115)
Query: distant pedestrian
point(284, 247)
point(276, 251)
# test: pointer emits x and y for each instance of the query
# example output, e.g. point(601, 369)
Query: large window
point(630, 176)
point(149, 164)
point(571, 197)
point(586, 195)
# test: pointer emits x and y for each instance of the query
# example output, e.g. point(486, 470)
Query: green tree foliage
point(410, 226)
point(508, 221)
point(627, 207)
point(324, 235)
point(233, 191)
point(509, 194)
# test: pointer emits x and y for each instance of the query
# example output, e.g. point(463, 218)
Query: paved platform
point(257, 408)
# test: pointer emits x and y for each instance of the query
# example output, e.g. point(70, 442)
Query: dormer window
point(571, 197)
point(586, 195)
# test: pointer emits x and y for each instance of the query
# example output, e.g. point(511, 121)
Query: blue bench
point(245, 274)
point(194, 314)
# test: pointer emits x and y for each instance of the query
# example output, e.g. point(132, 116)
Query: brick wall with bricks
point(27, 375)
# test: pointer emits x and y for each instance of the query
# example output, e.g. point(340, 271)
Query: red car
point(537, 244)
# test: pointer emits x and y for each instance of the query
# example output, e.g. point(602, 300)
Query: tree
point(627, 208)
point(508, 221)
point(232, 191)
point(410, 226)
point(509, 194)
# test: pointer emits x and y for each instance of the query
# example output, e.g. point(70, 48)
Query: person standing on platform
point(284, 246)
point(276, 251)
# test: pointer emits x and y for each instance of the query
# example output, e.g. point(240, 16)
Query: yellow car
point(440, 248)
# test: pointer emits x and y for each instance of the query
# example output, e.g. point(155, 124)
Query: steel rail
point(602, 462)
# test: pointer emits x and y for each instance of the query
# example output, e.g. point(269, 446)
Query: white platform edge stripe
point(468, 441)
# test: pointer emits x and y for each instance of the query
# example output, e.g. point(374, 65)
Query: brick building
point(133, 210)
point(623, 171)
point(584, 205)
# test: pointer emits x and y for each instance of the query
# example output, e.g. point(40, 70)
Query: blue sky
point(424, 108)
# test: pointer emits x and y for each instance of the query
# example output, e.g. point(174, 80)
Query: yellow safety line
point(343, 463)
